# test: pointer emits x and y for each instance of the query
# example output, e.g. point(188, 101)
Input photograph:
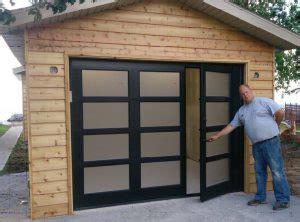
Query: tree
point(278, 11)
point(288, 16)
point(57, 6)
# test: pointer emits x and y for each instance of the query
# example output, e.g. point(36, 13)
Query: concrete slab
point(8, 142)
point(230, 207)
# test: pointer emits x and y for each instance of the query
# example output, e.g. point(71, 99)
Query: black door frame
point(92, 200)
point(236, 144)
point(135, 192)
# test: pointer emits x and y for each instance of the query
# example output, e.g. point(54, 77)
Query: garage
point(119, 97)
point(139, 131)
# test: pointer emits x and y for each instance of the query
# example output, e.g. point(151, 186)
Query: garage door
point(128, 131)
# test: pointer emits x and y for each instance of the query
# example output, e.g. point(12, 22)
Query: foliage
point(18, 159)
point(56, 6)
point(287, 16)
point(3, 129)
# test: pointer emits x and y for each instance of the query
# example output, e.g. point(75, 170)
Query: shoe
point(280, 206)
point(255, 202)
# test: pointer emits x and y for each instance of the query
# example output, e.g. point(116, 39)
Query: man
point(261, 117)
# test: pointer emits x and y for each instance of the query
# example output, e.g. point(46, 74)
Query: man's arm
point(226, 130)
point(279, 115)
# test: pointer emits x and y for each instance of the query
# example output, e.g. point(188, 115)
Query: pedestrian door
point(221, 161)
point(128, 126)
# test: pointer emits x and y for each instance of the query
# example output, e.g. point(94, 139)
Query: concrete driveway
point(230, 207)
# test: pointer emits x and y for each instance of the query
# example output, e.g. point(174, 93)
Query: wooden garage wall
point(151, 30)
point(25, 110)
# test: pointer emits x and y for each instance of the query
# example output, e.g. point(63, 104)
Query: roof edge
point(255, 20)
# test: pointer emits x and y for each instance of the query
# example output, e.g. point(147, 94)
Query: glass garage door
point(127, 131)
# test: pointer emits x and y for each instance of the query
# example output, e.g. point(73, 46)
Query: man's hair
point(245, 85)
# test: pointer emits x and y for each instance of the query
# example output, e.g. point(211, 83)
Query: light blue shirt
point(258, 119)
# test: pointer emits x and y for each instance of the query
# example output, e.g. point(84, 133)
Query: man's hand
point(212, 138)
point(228, 129)
point(279, 115)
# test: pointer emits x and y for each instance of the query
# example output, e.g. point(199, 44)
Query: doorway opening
point(212, 98)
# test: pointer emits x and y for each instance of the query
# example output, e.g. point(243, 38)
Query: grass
point(3, 129)
point(18, 159)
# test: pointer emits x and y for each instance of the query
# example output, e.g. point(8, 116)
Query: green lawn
point(18, 159)
point(3, 129)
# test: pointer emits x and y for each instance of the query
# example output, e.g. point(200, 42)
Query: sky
point(11, 89)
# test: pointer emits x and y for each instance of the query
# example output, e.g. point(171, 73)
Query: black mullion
point(75, 135)
point(81, 151)
point(202, 130)
point(91, 99)
point(134, 125)
point(218, 157)
point(161, 99)
point(105, 131)
point(160, 159)
point(106, 162)
point(161, 129)
point(214, 128)
point(217, 99)
point(183, 131)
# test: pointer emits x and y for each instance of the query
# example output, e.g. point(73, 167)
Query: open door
point(221, 161)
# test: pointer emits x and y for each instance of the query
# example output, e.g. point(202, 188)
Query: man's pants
point(265, 153)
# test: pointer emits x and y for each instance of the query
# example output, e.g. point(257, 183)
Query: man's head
point(246, 93)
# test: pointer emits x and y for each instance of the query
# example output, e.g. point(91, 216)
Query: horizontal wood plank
point(49, 152)
point(264, 93)
point(49, 187)
point(50, 211)
point(49, 199)
point(48, 129)
point(47, 81)
point(49, 175)
point(48, 141)
point(48, 117)
point(45, 58)
point(154, 53)
point(47, 105)
point(46, 93)
point(261, 84)
point(44, 70)
point(49, 164)
point(263, 75)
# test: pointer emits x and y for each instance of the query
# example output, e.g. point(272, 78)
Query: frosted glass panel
point(159, 84)
point(160, 114)
point(217, 113)
point(105, 147)
point(160, 174)
point(217, 84)
point(104, 83)
point(219, 146)
point(160, 144)
point(105, 115)
point(217, 172)
point(106, 178)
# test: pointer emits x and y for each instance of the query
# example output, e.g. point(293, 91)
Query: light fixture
point(53, 70)
point(256, 75)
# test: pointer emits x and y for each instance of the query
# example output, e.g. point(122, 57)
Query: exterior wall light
point(53, 70)
point(256, 75)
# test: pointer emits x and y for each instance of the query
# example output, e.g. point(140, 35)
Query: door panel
point(128, 131)
point(221, 160)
